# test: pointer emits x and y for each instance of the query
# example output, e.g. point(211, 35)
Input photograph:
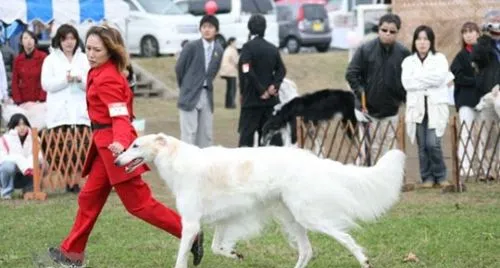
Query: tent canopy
point(62, 11)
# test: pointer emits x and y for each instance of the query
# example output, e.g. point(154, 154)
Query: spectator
point(229, 71)
point(16, 157)
point(375, 70)
point(196, 69)
point(425, 77)
point(261, 72)
point(4, 93)
point(27, 72)
point(486, 54)
point(466, 94)
point(64, 78)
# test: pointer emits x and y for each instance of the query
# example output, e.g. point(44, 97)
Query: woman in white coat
point(425, 77)
point(64, 77)
point(16, 157)
point(229, 71)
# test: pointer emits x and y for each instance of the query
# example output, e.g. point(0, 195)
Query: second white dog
point(240, 189)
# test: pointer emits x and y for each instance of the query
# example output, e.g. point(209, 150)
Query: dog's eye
point(135, 145)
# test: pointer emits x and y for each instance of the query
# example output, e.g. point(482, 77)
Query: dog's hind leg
point(348, 242)
point(297, 235)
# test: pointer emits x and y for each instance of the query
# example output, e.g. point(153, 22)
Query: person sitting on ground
point(16, 157)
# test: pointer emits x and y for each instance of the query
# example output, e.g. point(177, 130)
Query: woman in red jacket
point(110, 110)
point(27, 71)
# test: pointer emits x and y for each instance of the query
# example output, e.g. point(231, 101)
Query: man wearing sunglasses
point(375, 72)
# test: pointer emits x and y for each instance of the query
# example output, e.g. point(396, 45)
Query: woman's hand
point(116, 148)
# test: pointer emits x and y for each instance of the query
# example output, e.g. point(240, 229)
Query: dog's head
point(490, 100)
point(144, 149)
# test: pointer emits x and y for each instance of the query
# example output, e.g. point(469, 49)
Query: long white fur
point(240, 189)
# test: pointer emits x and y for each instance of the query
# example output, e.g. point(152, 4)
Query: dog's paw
point(237, 255)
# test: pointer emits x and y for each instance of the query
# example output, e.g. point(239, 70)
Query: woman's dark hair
point(430, 35)
point(468, 27)
point(16, 119)
point(112, 40)
point(230, 40)
point(30, 33)
point(62, 33)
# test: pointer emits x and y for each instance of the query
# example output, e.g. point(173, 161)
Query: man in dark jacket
point(486, 54)
point(261, 71)
point(375, 69)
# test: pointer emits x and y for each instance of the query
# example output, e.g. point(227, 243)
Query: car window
point(161, 7)
point(284, 13)
point(131, 6)
point(257, 7)
point(314, 11)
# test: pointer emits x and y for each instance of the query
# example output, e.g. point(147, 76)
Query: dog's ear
point(495, 90)
point(161, 140)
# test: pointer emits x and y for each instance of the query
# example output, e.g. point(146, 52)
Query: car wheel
point(149, 47)
point(323, 47)
point(292, 45)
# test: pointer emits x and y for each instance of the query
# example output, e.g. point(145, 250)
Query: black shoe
point(197, 249)
point(76, 189)
point(58, 257)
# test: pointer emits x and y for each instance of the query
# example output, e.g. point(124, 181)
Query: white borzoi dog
point(240, 189)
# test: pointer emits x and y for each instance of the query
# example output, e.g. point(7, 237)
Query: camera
point(492, 27)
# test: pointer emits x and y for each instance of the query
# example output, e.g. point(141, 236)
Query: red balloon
point(211, 7)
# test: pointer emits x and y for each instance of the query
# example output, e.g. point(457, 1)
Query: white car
point(157, 27)
point(233, 17)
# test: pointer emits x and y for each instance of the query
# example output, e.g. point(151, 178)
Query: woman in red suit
point(27, 71)
point(110, 110)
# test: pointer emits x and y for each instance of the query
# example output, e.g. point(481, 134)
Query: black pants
point(24, 182)
point(230, 92)
point(252, 120)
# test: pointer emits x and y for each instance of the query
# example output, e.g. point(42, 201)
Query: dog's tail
point(378, 188)
point(337, 195)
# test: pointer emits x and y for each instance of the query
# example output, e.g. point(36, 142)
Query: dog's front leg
point(189, 231)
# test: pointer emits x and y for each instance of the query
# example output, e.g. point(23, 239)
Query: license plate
point(318, 27)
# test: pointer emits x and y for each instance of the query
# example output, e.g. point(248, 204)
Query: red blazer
point(26, 78)
point(109, 101)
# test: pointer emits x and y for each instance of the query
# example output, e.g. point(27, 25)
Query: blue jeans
point(11, 178)
point(430, 154)
point(8, 172)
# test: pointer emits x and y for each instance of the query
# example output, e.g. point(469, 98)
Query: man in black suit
point(261, 71)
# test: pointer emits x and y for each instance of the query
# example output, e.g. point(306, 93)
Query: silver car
point(303, 25)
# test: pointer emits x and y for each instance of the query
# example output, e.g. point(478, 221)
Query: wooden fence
point(64, 153)
point(362, 144)
point(475, 151)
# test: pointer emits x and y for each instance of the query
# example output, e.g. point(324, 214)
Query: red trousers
point(134, 194)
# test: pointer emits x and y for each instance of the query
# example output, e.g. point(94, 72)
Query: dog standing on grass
point(239, 190)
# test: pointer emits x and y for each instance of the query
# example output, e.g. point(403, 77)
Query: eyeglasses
point(390, 31)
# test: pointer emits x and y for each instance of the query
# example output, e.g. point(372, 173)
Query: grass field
point(442, 230)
